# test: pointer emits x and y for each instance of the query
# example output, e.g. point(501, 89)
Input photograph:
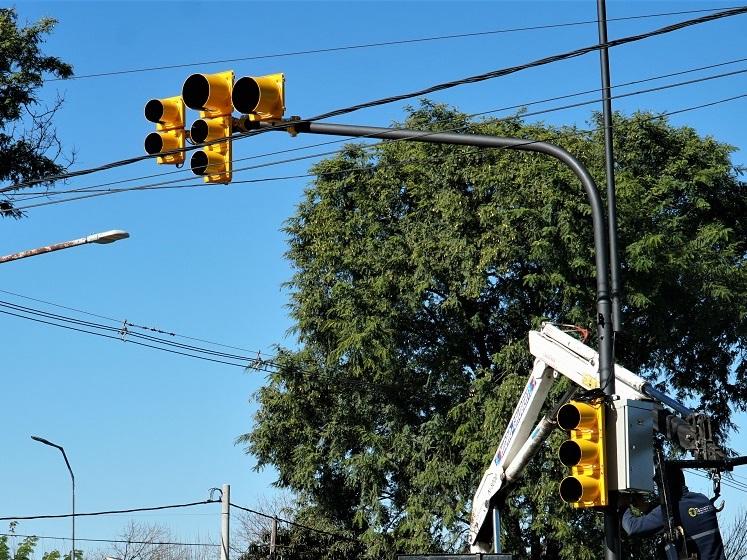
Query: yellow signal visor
point(577, 415)
point(209, 129)
point(211, 165)
point(261, 95)
point(209, 93)
point(574, 452)
point(166, 141)
point(582, 491)
point(168, 112)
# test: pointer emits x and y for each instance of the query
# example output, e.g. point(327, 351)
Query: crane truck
point(637, 411)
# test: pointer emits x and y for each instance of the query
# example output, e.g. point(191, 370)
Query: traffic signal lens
point(154, 110)
point(245, 95)
point(572, 452)
point(571, 489)
point(199, 131)
point(199, 163)
point(153, 143)
point(196, 91)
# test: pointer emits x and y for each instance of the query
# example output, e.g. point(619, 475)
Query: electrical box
point(631, 459)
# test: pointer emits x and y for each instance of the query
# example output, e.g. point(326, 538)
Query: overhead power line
point(380, 44)
point(438, 87)
point(296, 524)
point(47, 193)
point(113, 333)
point(125, 324)
point(122, 541)
point(110, 512)
point(159, 186)
point(540, 62)
point(266, 365)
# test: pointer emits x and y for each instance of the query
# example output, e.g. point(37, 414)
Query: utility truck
point(629, 419)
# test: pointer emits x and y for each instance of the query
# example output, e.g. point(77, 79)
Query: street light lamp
point(101, 238)
point(72, 477)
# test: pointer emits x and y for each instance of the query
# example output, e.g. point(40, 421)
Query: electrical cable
point(122, 541)
point(129, 341)
point(268, 179)
point(438, 87)
point(540, 62)
point(123, 332)
point(127, 323)
point(110, 512)
point(93, 188)
point(295, 524)
point(381, 44)
point(265, 365)
point(277, 162)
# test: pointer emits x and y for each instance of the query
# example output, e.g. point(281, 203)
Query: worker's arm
point(644, 525)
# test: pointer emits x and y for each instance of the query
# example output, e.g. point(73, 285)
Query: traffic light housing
point(168, 114)
point(584, 453)
point(260, 98)
point(210, 94)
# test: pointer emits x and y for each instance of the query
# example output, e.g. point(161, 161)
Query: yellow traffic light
point(211, 95)
point(168, 114)
point(262, 98)
point(586, 486)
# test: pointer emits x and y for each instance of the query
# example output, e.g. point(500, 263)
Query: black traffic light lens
point(199, 162)
point(571, 489)
point(196, 91)
point(569, 417)
point(154, 110)
point(245, 95)
point(569, 453)
point(199, 131)
point(153, 143)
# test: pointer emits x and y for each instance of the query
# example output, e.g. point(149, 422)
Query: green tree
point(419, 270)
point(25, 549)
point(29, 146)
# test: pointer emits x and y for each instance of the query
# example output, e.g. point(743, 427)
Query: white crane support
point(556, 353)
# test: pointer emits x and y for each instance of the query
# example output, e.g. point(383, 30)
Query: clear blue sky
point(143, 427)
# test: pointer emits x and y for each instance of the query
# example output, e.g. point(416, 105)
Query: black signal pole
point(612, 549)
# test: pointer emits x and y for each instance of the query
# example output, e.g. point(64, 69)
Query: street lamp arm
point(105, 237)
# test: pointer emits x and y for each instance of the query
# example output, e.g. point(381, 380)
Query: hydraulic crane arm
point(557, 353)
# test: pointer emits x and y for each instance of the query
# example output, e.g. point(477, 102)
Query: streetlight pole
point(101, 238)
point(72, 478)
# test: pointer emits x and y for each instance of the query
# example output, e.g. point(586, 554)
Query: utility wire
point(128, 340)
point(295, 524)
point(309, 175)
point(438, 87)
point(47, 193)
point(122, 541)
point(265, 365)
point(127, 324)
point(540, 62)
point(380, 44)
point(110, 512)
point(322, 154)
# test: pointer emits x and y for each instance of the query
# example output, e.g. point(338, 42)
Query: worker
point(693, 512)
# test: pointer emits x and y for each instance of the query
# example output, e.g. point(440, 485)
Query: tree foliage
point(419, 270)
point(29, 147)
